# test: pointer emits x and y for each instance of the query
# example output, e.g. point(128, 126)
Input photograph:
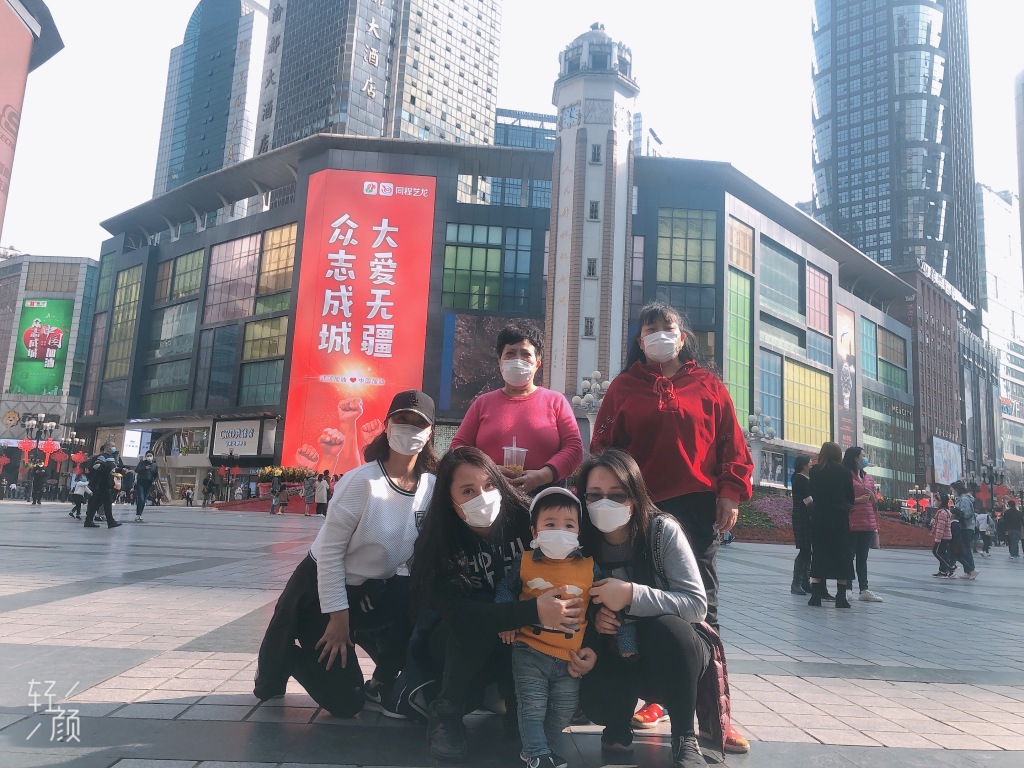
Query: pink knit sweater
point(542, 422)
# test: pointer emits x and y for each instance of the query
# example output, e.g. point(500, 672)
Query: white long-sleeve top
point(368, 534)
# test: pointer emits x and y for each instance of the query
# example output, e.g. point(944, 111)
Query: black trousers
point(76, 502)
point(100, 500)
point(802, 564)
point(697, 513)
point(671, 660)
point(861, 541)
point(469, 660)
point(378, 621)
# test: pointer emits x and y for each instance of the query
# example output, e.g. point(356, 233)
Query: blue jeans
point(1013, 539)
point(547, 698)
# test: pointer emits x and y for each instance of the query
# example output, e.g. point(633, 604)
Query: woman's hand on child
point(613, 593)
point(606, 622)
point(554, 611)
point(581, 662)
point(507, 636)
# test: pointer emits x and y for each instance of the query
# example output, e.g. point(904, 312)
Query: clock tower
point(591, 211)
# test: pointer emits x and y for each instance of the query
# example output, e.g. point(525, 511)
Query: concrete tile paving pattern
point(150, 633)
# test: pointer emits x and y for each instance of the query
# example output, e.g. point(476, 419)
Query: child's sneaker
point(649, 716)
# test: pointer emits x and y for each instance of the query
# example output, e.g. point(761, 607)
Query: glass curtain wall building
point(892, 145)
point(212, 93)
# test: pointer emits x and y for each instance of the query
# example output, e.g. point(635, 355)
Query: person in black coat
point(800, 483)
point(832, 491)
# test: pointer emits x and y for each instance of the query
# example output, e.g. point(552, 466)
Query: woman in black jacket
point(832, 490)
point(474, 527)
point(802, 500)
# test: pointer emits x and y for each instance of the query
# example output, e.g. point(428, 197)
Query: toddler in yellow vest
point(547, 694)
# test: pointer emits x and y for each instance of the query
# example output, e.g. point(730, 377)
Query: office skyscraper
point(394, 68)
point(893, 147)
point(212, 91)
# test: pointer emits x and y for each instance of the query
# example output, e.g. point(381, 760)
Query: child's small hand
point(581, 662)
point(507, 636)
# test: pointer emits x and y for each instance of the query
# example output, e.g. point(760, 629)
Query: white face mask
point(608, 515)
point(407, 439)
point(557, 545)
point(516, 373)
point(482, 511)
point(661, 346)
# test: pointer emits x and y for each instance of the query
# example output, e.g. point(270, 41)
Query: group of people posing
point(575, 591)
point(101, 482)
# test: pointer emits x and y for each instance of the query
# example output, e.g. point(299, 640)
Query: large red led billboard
point(361, 312)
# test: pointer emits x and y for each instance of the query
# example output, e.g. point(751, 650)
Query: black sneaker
point(686, 753)
point(617, 742)
point(379, 698)
point(446, 733)
point(545, 761)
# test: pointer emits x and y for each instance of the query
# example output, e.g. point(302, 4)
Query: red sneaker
point(734, 742)
point(649, 716)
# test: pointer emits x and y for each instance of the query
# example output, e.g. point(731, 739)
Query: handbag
point(876, 542)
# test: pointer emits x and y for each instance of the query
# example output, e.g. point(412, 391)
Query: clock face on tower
point(570, 115)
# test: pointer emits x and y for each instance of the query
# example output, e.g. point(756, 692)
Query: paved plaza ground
point(150, 632)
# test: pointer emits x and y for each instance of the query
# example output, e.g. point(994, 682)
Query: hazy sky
point(720, 80)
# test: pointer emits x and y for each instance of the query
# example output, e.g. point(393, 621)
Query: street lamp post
point(38, 427)
point(917, 495)
point(759, 431)
point(590, 403)
point(991, 476)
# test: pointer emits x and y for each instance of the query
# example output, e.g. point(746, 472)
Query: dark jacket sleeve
point(456, 607)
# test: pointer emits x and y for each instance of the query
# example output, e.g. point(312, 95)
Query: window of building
point(771, 388)
point(781, 334)
point(265, 338)
point(781, 279)
point(260, 383)
point(636, 285)
point(595, 153)
point(591, 267)
point(164, 402)
point(588, 327)
point(106, 282)
point(819, 300)
point(487, 268)
point(232, 282)
point(808, 404)
point(739, 341)
point(91, 388)
point(277, 302)
point(698, 302)
point(52, 277)
point(215, 367)
point(188, 275)
point(819, 348)
point(740, 244)
point(122, 327)
point(595, 210)
point(163, 281)
point(868, 349)
point(173, 374)
point(540, 194)
point(687, 242)
point(172, 330)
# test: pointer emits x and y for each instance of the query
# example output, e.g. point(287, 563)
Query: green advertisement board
point(41, 347)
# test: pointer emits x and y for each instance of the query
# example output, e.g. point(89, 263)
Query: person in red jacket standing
point(676, 419)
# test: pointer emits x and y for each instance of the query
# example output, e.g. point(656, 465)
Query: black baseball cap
point(415, 401)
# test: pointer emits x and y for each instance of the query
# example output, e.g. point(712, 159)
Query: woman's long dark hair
point(851, 460)
point(438, 553)
point(379, 450)
point(659, 310)
point(642, 509)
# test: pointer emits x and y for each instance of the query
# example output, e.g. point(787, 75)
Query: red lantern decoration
point(223, 471)
point(911, 503)
point(78, 458)
point(4, 461)
point(26, 446)
point(60, 457)
point(49, 447)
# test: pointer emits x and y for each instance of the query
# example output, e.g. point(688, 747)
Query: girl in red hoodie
point(676, 418)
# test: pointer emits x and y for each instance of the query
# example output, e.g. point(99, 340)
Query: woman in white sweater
point(356, 578)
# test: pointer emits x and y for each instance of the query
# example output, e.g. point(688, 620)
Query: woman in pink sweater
point(540, 420)
point(863, 523)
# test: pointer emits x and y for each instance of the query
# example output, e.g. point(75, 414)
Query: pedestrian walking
point(942, 537)
point(37, 478)
point(80, 492)
point(309, 490)
point(145, 476)
point(831, 555)
point(1012, 521)
point(800, 483)
point(863, 521)
point(960, 545)
point(986, 525)
point(102, 468)
point(189, 493)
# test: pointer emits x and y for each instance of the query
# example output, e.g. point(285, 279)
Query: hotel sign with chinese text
point(361, 313)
